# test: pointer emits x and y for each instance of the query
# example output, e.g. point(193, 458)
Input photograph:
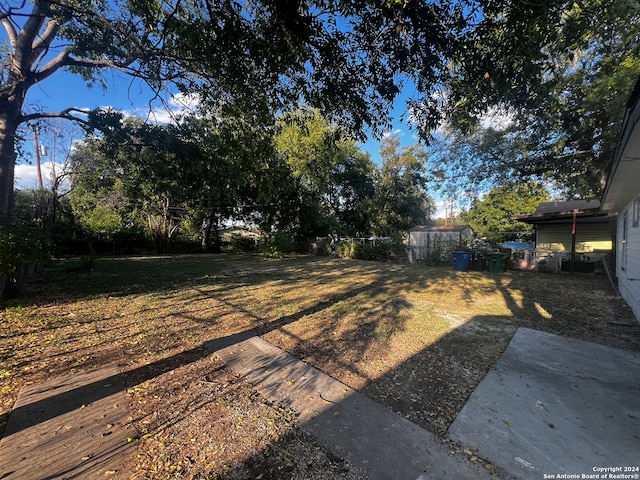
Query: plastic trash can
point(497, 262)
point(478, 262)
point(461, 261)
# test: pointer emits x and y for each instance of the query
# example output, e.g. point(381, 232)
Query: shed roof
point(440, 229)
point(568, 207)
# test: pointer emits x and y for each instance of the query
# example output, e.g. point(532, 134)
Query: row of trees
point(192, 178)
point(559, 70)
point(189, 180)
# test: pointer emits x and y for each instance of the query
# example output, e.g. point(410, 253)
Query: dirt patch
point(416, 339)
point(200, 421)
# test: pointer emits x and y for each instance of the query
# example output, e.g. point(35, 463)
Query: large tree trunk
point(212, 227)
point(28, 44)
point(9, 122)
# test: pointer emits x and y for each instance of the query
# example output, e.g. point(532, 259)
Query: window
point(636, 212)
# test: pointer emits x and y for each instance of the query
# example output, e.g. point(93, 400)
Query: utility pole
point(448, 213)
point(573, 237)
point(36, 147)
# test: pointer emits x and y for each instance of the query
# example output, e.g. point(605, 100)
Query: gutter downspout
point(573, 238)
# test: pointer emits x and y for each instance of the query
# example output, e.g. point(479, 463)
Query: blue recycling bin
point(461, 261)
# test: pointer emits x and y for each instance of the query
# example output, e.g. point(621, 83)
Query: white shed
point(621, 199)
point(427, 240)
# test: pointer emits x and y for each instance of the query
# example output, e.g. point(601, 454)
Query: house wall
point(590, 237)
point(628, 255)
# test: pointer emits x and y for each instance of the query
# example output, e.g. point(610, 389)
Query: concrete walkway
point(553, 405)
point(351, 425)
point(72, 427)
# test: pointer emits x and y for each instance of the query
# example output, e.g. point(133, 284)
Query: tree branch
point(66, 114)
point(95, 63)
point(51, 67)
point(44, 41)
point(10, 29)
point(27, 34)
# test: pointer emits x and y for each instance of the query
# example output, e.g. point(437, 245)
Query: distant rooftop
point(432, 228)
point(556, 211)
point(567, 207)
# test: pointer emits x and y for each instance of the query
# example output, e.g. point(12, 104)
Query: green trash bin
point(497, 262)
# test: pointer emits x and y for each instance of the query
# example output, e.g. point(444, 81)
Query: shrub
point(384, 250)
point(321, 247)
point(277, 245)
point(346, 249)
point(20, 247)
point(242, 243)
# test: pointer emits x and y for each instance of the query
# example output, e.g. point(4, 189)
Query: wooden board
point(75, 426)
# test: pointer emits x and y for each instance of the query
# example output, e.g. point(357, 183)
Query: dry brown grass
point(416, 339)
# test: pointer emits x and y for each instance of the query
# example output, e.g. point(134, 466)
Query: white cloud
point(162, 112)
point(26, 176)
point(497, 118)
point(176, 105)
point(185, 102)
point(388, 133)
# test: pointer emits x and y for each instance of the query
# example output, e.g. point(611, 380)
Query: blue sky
point(63, 90)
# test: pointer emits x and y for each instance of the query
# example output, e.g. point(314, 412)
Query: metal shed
point(431, 241)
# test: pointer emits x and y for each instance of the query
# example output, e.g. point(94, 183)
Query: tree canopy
point(402, 200)
point(565, 132)
point(332, 180)
point(490, 217)
point(196, 177)
point(349, 59)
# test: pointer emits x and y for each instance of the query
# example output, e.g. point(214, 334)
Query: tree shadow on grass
point(432, 383)
point(119, 277)
point(55, 406)
point(431, 387)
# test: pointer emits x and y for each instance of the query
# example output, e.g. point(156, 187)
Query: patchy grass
point(416, 339)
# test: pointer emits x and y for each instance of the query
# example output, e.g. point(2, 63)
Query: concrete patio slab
point(351, 425)
point(554, 406)
point(71, 427)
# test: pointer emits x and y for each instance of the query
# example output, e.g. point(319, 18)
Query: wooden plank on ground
point(75, 426)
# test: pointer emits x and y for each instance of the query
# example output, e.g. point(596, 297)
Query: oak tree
point(349, 59)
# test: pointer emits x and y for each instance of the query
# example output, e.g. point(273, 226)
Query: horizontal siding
point(589, 237)
point(629, 278)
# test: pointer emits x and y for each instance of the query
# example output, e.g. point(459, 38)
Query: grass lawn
point(416, 339)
